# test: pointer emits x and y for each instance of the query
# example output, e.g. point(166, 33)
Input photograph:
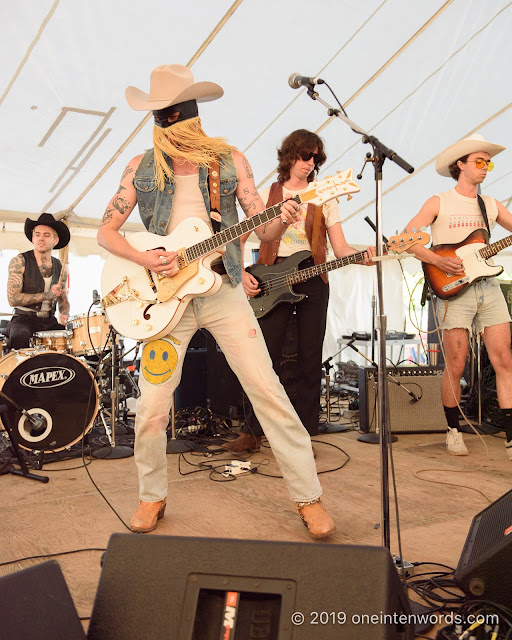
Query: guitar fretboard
point(222, 238)
point(495, 247)
point(311, 272)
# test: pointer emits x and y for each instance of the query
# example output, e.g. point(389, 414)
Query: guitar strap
point(214, 188)
point(481, 204)
point(316, 229)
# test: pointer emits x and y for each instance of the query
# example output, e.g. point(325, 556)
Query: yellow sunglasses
point(480, 164)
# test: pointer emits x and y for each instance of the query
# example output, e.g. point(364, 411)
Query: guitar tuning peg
point(349, 197)
point(337, 200)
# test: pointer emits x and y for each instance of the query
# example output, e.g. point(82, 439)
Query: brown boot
point(315, 518)
point(244, 442)
point(147, 515)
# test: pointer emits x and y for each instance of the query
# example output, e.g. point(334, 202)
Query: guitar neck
point(495, 247)
point(317, 270)
point(234, 232)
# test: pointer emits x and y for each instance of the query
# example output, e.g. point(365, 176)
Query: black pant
point(21, 328)
point(311, 313)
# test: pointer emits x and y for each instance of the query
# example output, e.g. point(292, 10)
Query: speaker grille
point(424, 415)
point(488, 531)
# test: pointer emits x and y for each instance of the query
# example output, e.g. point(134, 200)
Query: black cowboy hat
point(49, 221)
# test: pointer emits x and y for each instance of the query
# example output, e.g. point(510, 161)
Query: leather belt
point(219, 268)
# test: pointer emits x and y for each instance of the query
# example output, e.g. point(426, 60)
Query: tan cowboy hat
point(48, 220)
point(462, 148)
point(171, 84)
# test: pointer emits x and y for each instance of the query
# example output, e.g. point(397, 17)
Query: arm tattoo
point(247, 167)
point(249, 202)
point(15, 296)
point(107, 217)
point(126, 172)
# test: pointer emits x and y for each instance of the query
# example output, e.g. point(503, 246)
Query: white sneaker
point(508, 447)
point(455, 443)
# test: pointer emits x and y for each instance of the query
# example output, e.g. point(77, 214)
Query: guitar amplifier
point(406, 415)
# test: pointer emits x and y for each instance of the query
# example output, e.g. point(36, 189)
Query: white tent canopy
point(419, 75)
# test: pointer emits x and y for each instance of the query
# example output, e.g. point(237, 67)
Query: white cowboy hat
point(462, 148)
point(171, 84)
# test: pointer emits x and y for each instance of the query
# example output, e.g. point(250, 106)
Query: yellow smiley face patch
point(158, 361)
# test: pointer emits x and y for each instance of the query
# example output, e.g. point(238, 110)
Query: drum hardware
point(23, 471)
point(112, 450)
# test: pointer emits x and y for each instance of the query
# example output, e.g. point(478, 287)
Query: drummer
point(35, 286)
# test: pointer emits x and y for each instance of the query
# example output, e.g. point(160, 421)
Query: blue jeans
point(230, 319)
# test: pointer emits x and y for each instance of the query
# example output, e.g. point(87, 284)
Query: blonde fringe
point(184, 141)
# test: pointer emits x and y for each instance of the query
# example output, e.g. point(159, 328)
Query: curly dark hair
point(454, 167)
point(293, 147)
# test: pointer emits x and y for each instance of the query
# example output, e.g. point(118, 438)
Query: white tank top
point(459, 216)
point(188, 202)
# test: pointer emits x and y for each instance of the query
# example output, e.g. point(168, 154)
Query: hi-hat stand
point(112, 451)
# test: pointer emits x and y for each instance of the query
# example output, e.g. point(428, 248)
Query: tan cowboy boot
point(244, 442)
point(147, 515)
point(315, 518)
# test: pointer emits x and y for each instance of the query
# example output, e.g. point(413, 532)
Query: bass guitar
point(474, 253)
point(144, 306)
point(276, 281)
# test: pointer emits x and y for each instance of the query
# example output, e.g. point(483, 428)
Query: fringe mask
point(184, 141)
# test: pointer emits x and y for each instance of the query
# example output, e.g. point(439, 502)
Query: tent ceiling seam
point(29, 50)
point(390, 61)
point(423, 166)
point(141, 124)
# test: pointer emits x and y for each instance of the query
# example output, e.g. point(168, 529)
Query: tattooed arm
point(251, 202)
point(15, 285)
point(118, 209)
point(63, 300)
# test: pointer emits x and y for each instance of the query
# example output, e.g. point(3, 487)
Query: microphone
point(95, 297)
point(297, 81)
point(413, 396)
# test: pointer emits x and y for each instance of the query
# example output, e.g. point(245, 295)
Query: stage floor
point(68, 513)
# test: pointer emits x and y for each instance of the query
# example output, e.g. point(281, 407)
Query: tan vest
point(315, 232)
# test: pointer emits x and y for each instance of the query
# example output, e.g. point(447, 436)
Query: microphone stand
point(377, 158)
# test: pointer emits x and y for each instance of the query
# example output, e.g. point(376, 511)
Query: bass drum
point(57, 389)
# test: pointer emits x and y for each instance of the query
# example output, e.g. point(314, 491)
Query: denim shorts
point(481, 305)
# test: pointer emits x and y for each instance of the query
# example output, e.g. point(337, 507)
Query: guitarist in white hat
point(170, 183)
point(458, 218)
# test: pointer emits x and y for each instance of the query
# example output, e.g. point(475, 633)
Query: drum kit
point(53, 392)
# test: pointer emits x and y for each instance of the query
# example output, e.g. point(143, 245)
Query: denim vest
point(155, 206)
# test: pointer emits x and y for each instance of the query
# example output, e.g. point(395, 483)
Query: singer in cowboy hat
point(452, 216)
point(36, 284)
point(169, 184)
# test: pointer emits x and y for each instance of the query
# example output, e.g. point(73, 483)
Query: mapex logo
point(46, 377)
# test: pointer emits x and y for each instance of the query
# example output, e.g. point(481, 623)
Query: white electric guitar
point(144, 306)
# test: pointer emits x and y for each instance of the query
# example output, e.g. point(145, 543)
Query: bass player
point(299, 159)
point(170, 183)
point(453, 216)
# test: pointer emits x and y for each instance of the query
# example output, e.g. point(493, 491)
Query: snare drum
point(90, 333)
point(59, 340)
point(58, 388)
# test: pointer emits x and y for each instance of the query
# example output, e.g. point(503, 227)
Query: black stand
point(112, 451)
point(23, 471)
point(380, 153)
point(330, 427)
point(173, 444)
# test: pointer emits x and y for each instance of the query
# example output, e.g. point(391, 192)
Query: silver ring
point(284, 222)
point(165, 261)
point(164, 273)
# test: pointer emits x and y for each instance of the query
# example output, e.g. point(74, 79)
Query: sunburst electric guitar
point(276, 281)
point(143, 305)
point(474, 253)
